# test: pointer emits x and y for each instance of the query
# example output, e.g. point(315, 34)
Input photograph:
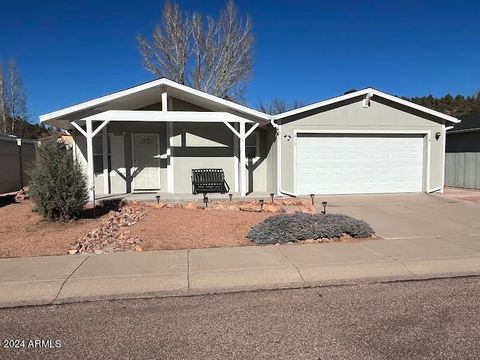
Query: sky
point(72, 51)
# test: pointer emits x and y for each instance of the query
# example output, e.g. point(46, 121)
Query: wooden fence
point(462, 169)
point(16, 158)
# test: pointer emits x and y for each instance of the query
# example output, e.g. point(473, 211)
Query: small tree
point(58, 184)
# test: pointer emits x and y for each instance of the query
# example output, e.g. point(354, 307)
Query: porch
point(169, 197)
point(150, 137)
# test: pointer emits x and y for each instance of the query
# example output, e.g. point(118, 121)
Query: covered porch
point(146, 168)
point(148, 138)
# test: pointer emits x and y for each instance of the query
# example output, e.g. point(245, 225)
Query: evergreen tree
point(58, 184)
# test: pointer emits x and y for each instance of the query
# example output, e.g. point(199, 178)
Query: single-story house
point(462, 168)
point(150, 137)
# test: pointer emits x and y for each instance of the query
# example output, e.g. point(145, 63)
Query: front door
point(146, 163)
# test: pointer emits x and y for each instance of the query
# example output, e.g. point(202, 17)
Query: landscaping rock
point(273, 209)
point(112, 235)
point(250, 207)
point(21, 195)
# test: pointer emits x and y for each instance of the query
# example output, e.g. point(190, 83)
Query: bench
point(209, 181)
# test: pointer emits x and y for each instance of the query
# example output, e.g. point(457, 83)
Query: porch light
point(158, 199)
point(261, 201)
point(312, 196)
point(271, 197)
point(324, 204)
point(230, 197)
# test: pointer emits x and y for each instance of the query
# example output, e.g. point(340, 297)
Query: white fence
point(462, 169)
point(16, 158)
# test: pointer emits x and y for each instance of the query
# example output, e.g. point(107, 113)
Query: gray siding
point(352, 116)
point(10, 175)
point(462, 161)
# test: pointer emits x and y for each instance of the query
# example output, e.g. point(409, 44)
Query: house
point(150, 137)
point(462, 167)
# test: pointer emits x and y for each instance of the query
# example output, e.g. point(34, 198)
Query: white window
point(98, 154)
point(252, 146)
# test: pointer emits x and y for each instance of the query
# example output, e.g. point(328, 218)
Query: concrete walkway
point(60, 279)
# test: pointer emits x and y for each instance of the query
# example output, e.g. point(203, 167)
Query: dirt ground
point(25, 233)
point(187, 228)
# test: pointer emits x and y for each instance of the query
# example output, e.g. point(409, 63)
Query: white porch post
point(91, 179)
point(242, 162)
point(168, 138)
point(106, 183)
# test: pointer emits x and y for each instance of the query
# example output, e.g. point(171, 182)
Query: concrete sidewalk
point(61, 279)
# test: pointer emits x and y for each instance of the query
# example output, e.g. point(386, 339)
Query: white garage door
point(355, 164)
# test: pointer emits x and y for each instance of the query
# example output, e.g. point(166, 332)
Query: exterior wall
point(10, 175)
point(257, 169)
point(202, 145)
point(462, 161)
point(353, 117)
point(463, 142)
point(271, 159)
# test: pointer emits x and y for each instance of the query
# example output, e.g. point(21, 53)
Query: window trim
point(257, 146)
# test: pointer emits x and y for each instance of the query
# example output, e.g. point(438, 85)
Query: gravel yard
point(25, 233)
point(191, 228)
point(137, 226)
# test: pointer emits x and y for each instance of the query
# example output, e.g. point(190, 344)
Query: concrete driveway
point(410, 215)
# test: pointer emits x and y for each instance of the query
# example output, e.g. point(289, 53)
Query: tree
point(13, 106)
point(458, 105)
point(212, 55)
point(278, 106)
point(58, 184)
point(16, 99)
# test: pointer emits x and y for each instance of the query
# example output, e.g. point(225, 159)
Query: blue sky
point(71, 51)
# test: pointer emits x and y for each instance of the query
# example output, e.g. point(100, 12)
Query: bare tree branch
point(13, 101)
point(212, 55)
point(3, 103)
point(278, 106)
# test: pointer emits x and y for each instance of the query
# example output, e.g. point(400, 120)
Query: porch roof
point(146, 94)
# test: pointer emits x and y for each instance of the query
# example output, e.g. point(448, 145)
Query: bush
point(302, 226)
point(58, 184)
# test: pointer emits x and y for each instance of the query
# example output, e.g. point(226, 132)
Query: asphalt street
point(436, 319)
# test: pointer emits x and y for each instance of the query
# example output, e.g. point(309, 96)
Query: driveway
point(411, 215)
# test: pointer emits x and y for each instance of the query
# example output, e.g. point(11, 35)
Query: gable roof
point(151, 86)
point(364, 92)
point(470, 123)
point(95, 105)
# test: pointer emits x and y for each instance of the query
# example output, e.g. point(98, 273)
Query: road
point(437, 319)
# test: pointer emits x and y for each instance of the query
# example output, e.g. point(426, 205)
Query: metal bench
point(209, 181)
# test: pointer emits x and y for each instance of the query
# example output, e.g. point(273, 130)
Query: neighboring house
point(149, 138)
point(462, 167)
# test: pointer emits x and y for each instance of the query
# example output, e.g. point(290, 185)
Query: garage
point(359, 163)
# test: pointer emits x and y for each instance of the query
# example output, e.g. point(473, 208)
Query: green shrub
point(302, 226)
point(58, 184)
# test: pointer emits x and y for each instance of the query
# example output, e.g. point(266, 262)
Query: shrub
point(58, 184)
point(302, 226)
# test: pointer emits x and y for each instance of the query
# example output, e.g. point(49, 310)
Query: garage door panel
point(349, 164)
